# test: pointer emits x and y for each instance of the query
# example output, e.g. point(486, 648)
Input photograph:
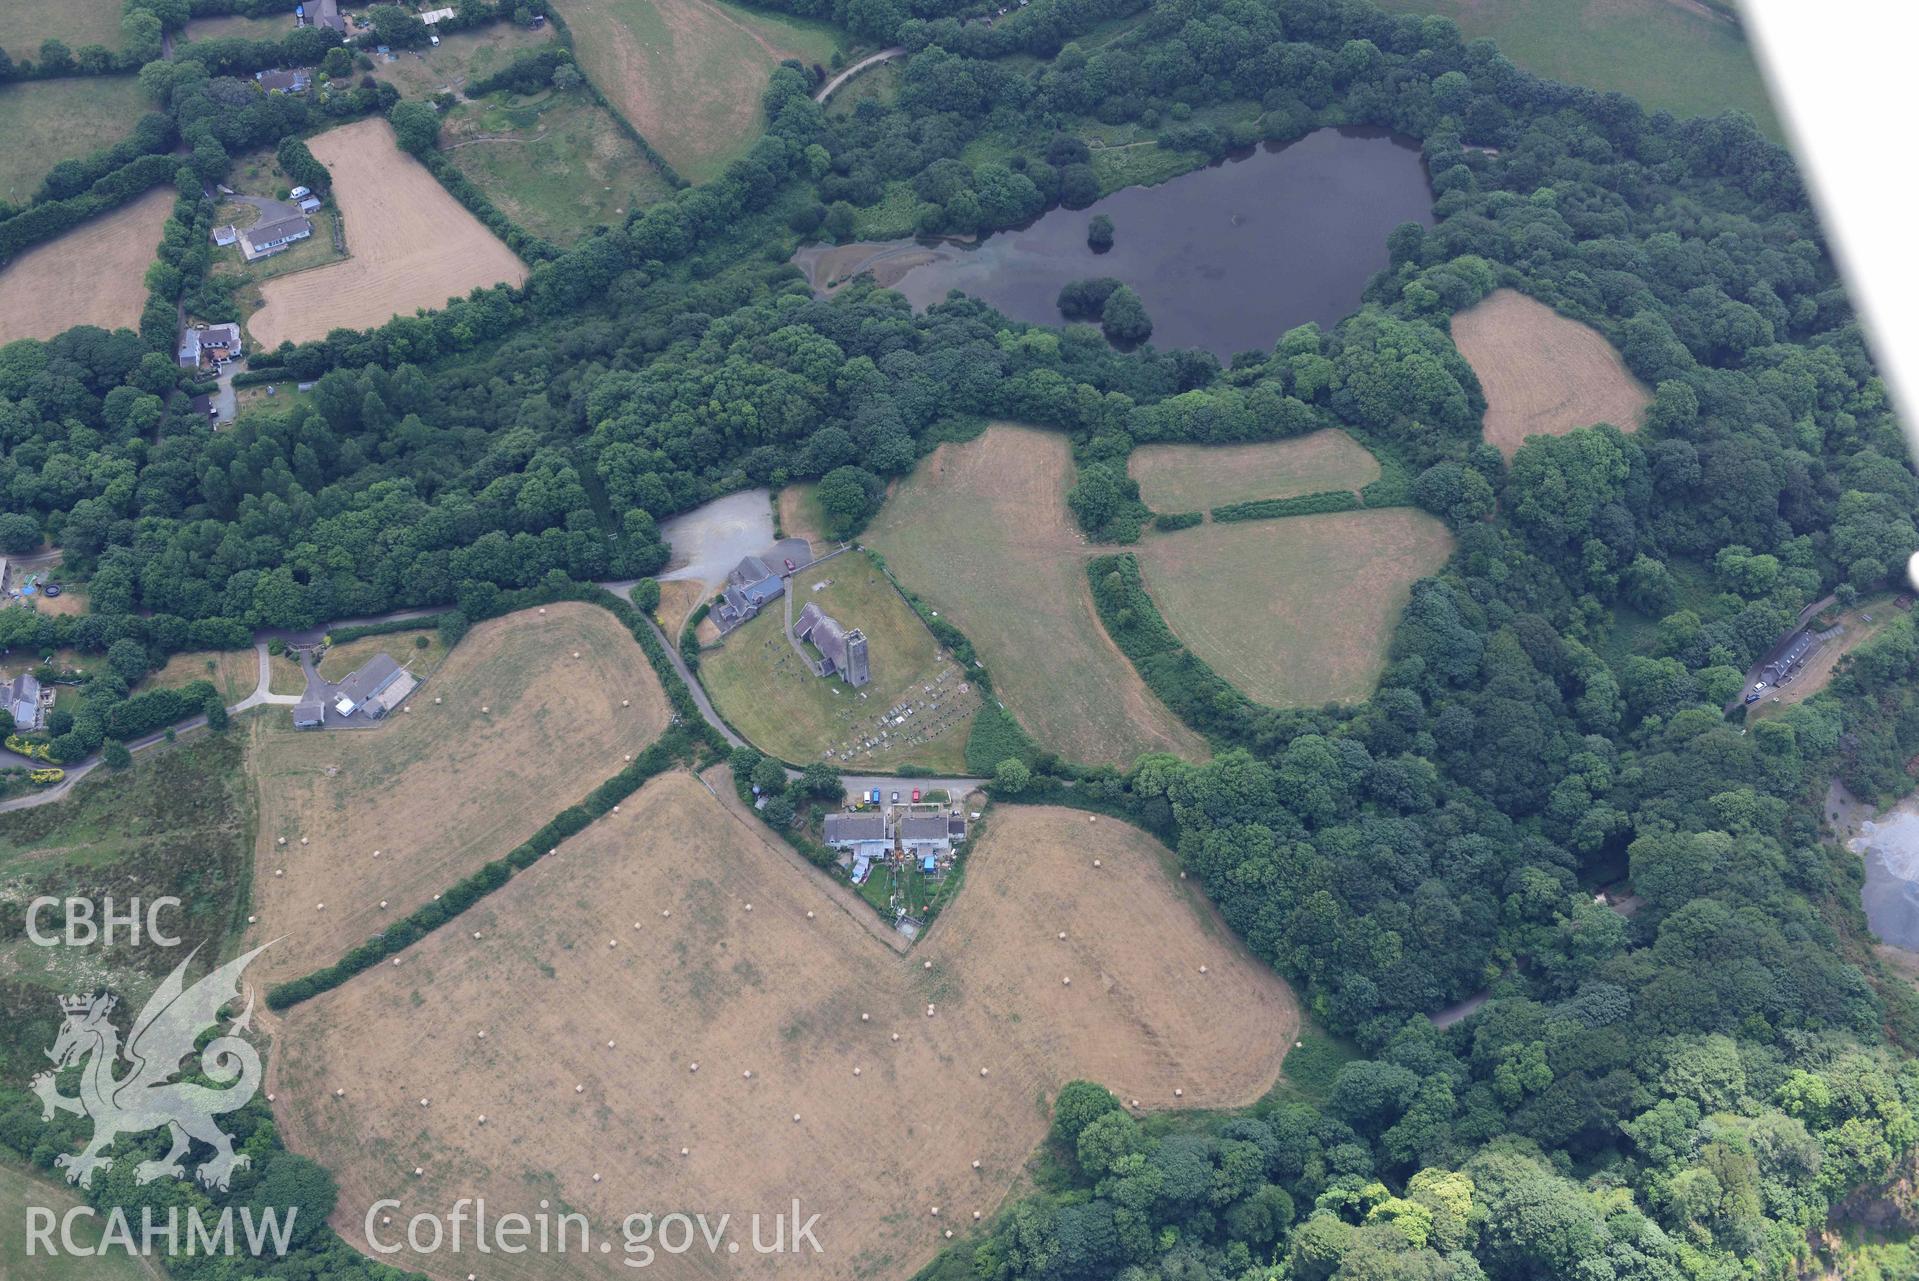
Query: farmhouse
point(270, 238)
point(329, 16)
point(842, 652)
point(748, 588)
point(214, 342)
point(375, 689)
point(28, 702)
point(296, 81)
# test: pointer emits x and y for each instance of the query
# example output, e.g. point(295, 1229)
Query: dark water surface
point(1226, 258)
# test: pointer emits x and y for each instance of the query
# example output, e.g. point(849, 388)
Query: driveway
point(871, 60)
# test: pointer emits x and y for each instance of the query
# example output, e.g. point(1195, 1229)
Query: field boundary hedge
point(1328, 500)
point(679, 744)
point(1185, 682)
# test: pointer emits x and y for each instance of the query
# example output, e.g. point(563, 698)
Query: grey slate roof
point(922, 829)
point(843, 829)
point(377, 673)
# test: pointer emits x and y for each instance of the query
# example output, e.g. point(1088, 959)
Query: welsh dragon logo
point(146, 1097)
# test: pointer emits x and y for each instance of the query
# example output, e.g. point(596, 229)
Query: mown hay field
point(1299, 611)
point(1544, 374)
point(1183, 478)
point(981, 532)
point(92, 275)
point(688, 74)
point(767, 692)
point(411, 245)
point(586, 1066)
point(522, 730)
point(47, 121)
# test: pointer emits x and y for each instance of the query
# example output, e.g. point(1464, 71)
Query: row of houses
point(869, 837)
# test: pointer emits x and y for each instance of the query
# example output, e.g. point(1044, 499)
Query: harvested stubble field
point(688, 74)
point(92, 275)
point(1183, 478)
point(1294, 612)
point(982, 533)
point(412, 245)
point(22, 1191)
point(442, 788)
point(765, 990)
point(47, 121)
point(765, 691)
point(1544, 374)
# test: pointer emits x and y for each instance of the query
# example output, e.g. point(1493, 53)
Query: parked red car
point(916, 796)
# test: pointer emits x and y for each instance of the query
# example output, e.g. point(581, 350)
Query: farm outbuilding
point(309, 714)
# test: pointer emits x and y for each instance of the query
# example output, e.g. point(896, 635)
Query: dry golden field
point(981, 532)
point(1544, 374)
point(92, 275)
point(411, 244)
point(596, 1006)
point(1182, 478)
point(522, 730)
point(1294, 612)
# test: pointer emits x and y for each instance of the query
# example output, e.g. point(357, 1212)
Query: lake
point(1226, 258)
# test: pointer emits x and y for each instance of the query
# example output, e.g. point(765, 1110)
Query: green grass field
point(688, 74)
point(771, 697)
point(25, 24)
point(234, 26)
point(459, 57)
point(45, 122)
point(1667, 54)
point(1295, 612)
point(20, 1190)
point(1183, 478)
point(557, 164)
point(179, 822)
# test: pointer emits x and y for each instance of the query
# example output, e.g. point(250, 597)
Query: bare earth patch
point(1181, 478)
point(442, 788)
point(1294, 612)
point(1544, 374)
point(586, 1065)
point(412, 245)
point(92, 275)
point(981, 532)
